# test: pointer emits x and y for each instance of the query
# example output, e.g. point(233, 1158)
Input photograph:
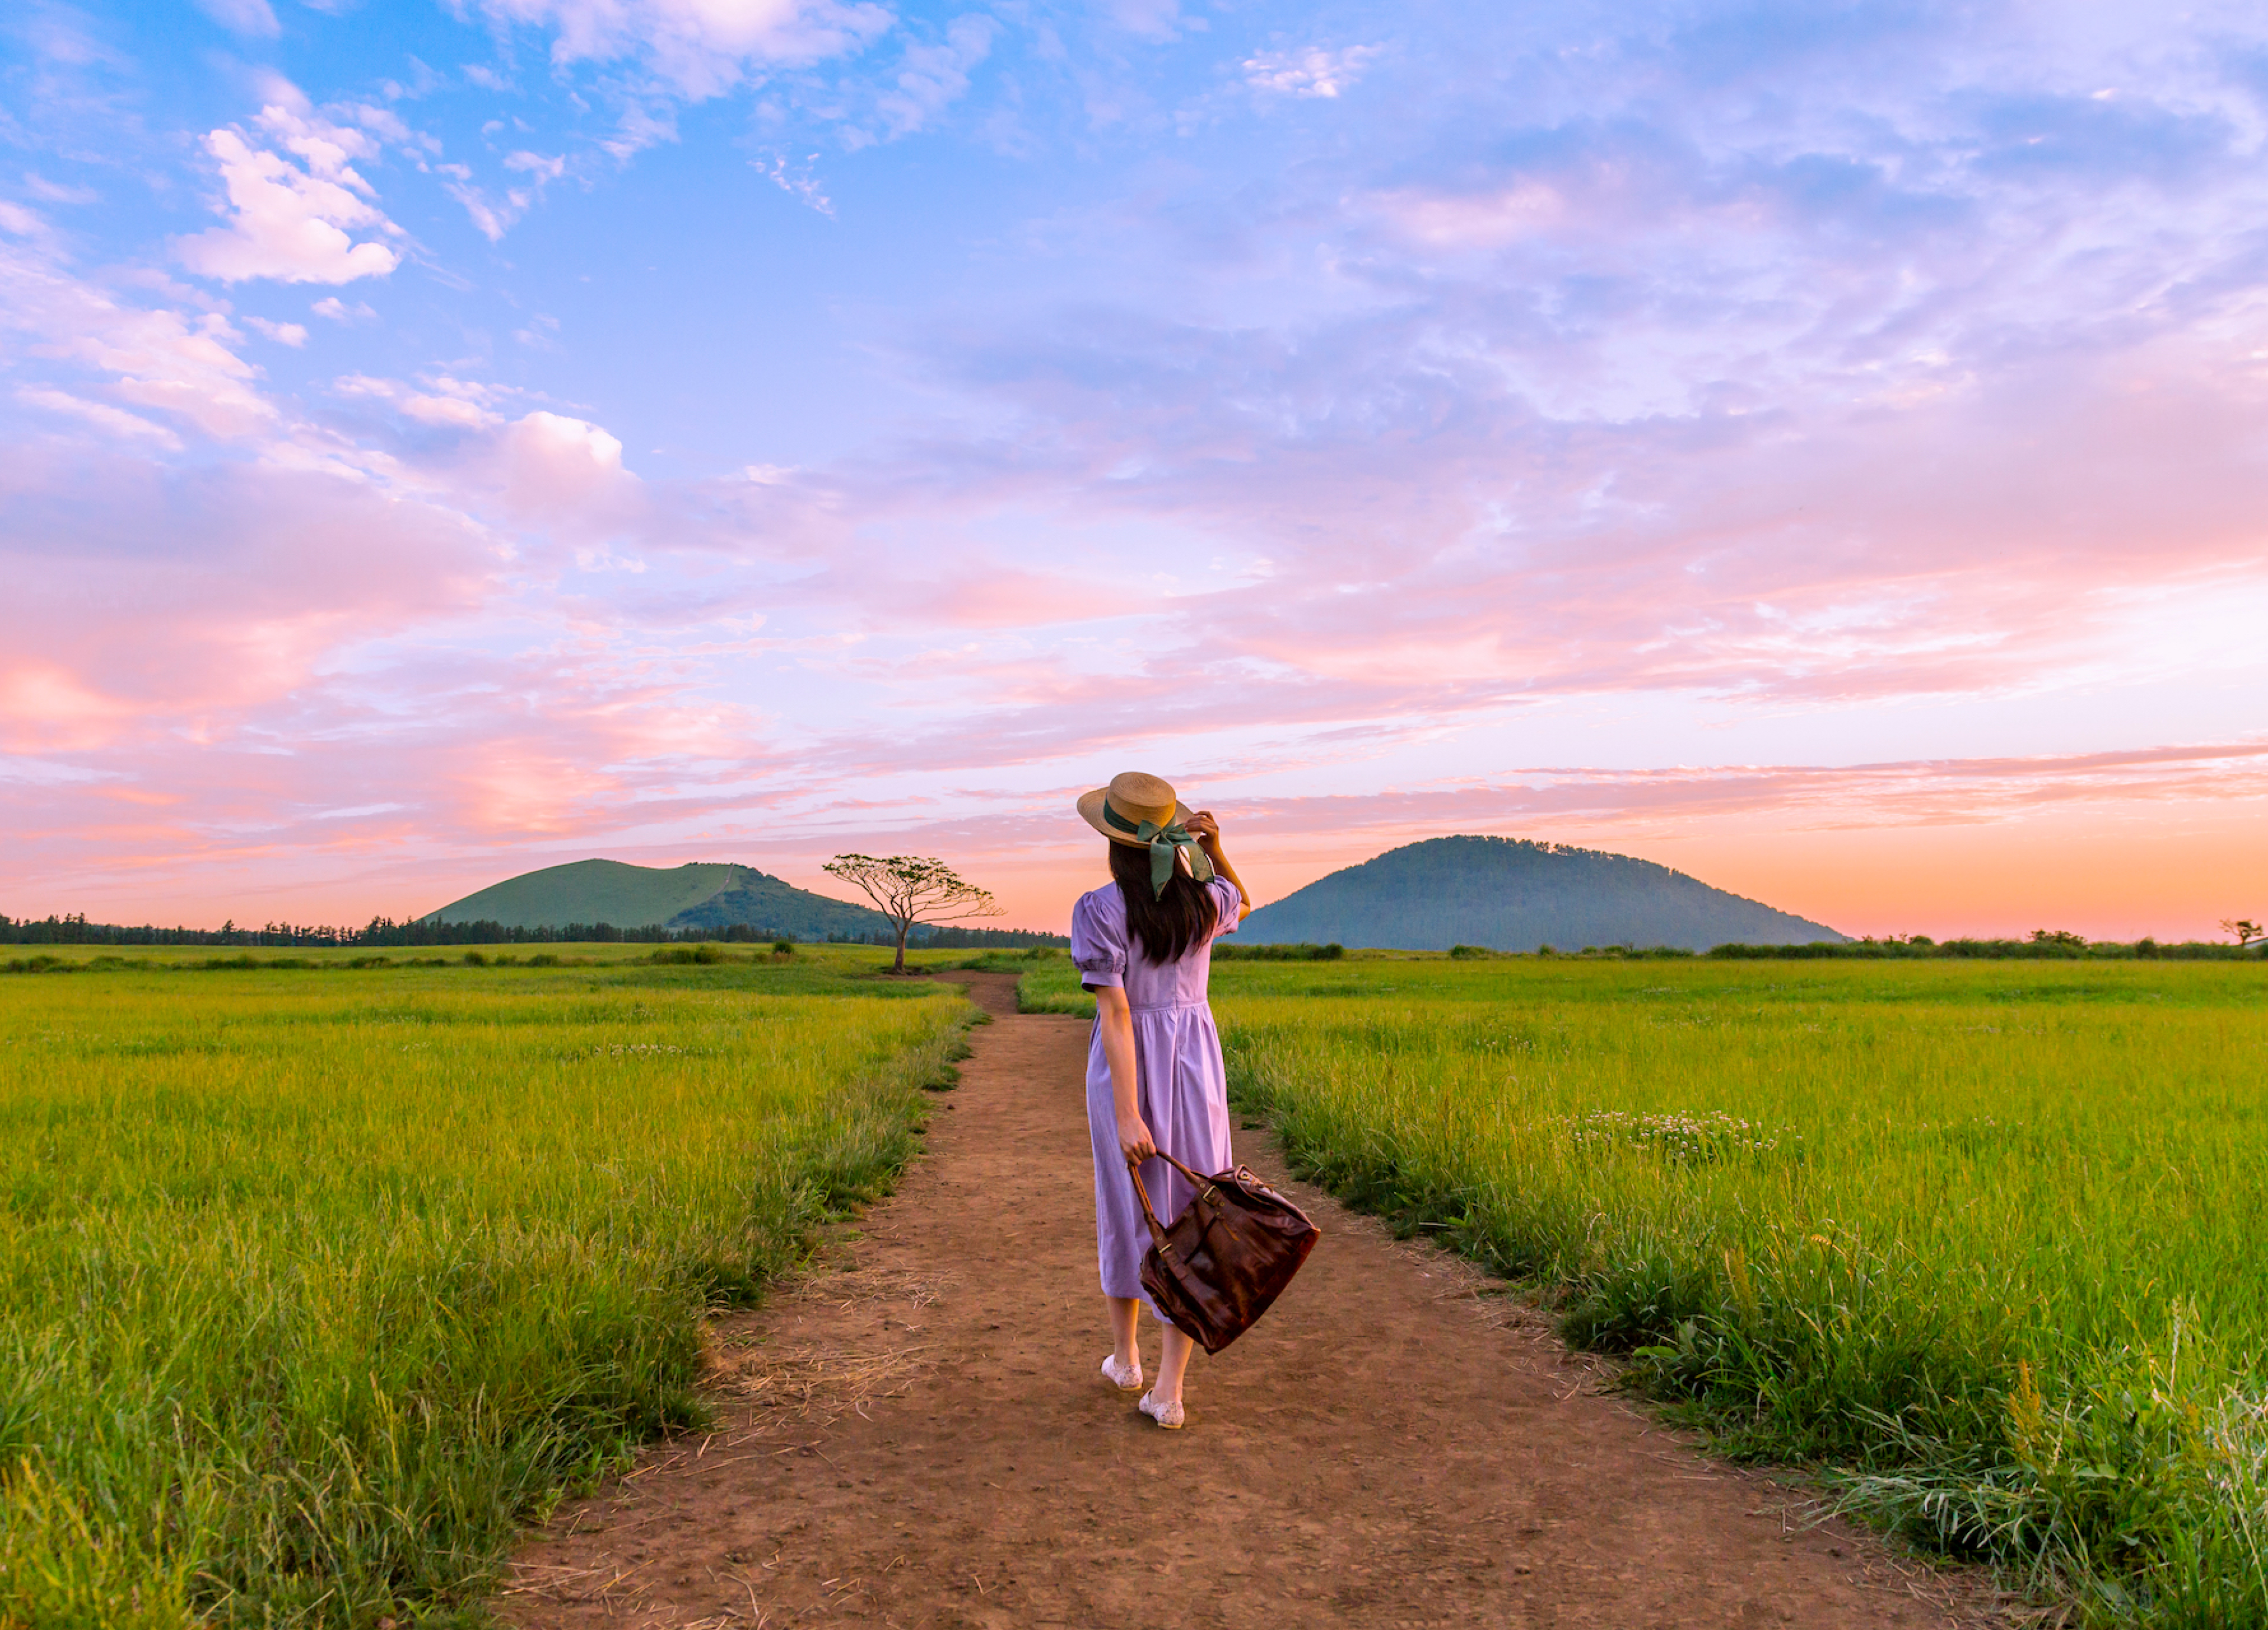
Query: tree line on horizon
point(382, 932)
point(386, 932)
point(2044, 944)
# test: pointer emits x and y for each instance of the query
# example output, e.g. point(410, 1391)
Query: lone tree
point(2245, 928)
point(910, 889)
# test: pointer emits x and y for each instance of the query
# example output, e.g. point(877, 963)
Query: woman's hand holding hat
point(1206, 827)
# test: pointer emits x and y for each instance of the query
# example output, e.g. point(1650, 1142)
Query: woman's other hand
point(1206, 829)
point(1115, 1020)
point(1134, 1142)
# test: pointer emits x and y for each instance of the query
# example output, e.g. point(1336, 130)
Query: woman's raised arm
point(1207, 828)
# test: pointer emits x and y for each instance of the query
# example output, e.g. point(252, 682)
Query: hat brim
point(1090, 810)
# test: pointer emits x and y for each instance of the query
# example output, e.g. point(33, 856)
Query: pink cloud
point(555, 465)
point(700, 48)
point(179, 363)
point(263, 576)
point(446, 630)
point(45, 707)
point(116, 421)
point(428, 644)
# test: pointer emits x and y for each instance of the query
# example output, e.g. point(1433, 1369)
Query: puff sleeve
point(1098, 942)
point(1226, 903)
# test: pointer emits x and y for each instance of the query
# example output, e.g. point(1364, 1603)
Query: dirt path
point(922, 1440)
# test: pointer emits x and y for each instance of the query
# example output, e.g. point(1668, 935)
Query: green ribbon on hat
point(1163, 840)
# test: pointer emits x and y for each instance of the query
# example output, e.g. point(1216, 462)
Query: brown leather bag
point(1227, 1258)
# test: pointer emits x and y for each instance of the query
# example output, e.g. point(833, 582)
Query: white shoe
point(1166, 1415)
point(1126, 1380)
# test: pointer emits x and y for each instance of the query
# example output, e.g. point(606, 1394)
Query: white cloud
point(1151, 19)
point(333, 309)
point(243, 16)
point(537, 167)
point(117, 421)
point(56, 192)
point(460, 404)
point(803, 184)
point(1312, 71)
point(644, 125)
point(704, 48)
point(495, 217)
point(447, 411)
point(387, 126)
point(292, 221)
point(291, 333)
point(936, 76)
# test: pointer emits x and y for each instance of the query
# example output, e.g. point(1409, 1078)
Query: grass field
point(314, 1279)
point(1986, 1238)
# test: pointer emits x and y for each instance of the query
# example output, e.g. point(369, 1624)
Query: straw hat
point(1133, 798)
point(1141, 811)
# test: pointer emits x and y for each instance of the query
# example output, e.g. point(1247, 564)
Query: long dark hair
point(1170, 925)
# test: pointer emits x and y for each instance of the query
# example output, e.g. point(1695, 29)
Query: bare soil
point(916, 1436)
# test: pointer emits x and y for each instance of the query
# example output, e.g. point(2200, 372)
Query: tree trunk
point(901, 967)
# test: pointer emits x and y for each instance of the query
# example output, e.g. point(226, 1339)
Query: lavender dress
point(1183, 1091)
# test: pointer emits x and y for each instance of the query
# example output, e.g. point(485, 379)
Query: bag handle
point(1134, 1170)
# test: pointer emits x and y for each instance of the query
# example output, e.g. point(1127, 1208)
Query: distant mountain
point(1513, 895)
point(765, 902)
point(695, 895)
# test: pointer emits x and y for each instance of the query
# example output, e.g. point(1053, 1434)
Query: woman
point(1154, 1080)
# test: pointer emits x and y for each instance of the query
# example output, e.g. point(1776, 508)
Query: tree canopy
point(913, 889)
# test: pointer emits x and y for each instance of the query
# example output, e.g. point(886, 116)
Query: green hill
point(1513, 895)
point(764, 902)
point(697, 895)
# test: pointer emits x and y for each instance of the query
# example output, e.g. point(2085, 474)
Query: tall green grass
point(1051, 985)
point(312, 1282)
point(1988, 1238)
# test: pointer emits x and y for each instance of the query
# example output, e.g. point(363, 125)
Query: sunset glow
point(1824, 450)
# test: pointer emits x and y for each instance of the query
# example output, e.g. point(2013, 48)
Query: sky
point(1820, 447)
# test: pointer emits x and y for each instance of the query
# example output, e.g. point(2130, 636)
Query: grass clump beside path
point(1986, 1238)
point(1050, 985)
point(313, 1282)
